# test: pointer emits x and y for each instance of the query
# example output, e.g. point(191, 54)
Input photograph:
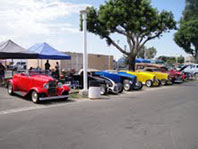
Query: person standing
point(57, 67)
point(2, 73)
point(47, 66)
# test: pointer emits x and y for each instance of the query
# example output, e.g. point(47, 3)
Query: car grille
point(52, 88)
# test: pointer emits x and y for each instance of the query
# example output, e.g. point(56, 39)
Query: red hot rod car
point(39, 87)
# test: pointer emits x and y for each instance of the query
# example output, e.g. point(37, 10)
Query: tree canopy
point(136, 20)
point(187, 34)
point(187, 37)
point(191, 10)
point(147, 53)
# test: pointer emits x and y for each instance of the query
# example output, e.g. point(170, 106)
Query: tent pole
point(12, 69)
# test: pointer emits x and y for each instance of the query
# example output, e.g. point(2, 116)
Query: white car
point(191, 69)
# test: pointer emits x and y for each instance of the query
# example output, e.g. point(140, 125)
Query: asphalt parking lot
point(16, 103)
point(154, 118)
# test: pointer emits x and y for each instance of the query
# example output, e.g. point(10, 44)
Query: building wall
point(95, 61)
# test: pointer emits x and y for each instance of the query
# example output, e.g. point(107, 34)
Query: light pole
point(84, 17)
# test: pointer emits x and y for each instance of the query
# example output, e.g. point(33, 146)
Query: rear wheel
point(149, 83)
point(120, 88)
point(138, 86)
point(35, 97)
point(163, 82)
point(10, 89)
point(127, 85)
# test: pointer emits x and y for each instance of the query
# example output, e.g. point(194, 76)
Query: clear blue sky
point(57, 22)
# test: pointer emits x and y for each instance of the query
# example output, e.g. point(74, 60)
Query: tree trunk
point(131, 62)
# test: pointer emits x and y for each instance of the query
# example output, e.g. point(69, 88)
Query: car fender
point(13, 84)
point(62, 89)
point(38, 90)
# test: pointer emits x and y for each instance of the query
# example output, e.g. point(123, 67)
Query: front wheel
point(10, 89)
point(138, 86)
point(65, 93)
point(149, 83)
point(163, 82)
point(127, 85)
point(35, 97)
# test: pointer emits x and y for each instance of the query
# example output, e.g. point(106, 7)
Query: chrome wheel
point(138, 85)
point(127, 86)
point(163, 82)
point(10, 89)
point(149, 83)
point(35, 97)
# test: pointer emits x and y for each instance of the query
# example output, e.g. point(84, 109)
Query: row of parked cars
point(41, 87)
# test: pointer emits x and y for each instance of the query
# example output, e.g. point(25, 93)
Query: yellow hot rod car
point(164, 78)
point(147, 79)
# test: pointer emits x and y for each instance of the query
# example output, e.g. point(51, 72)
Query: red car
point(177, 76)
point(39, 87)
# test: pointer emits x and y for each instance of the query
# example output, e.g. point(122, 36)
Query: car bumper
point(53, 97)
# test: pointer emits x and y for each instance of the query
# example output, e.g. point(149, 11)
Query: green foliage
point(147, 53)
point(180, 59)
point(191, 10)
point(136, 20)
point(167, 59)
point(187, 37)
point(141, 53)
point(151, 52)
point(187, 34)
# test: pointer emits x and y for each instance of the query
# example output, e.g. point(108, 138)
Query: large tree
point(136, 20)
point(187, 37)
point(187, 34)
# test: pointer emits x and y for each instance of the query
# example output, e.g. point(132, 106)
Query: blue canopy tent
point(141, 60)
point(45, 51)
point(137, 60)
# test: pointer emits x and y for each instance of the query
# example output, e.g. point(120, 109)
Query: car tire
point(158, 83)
point(149, 83)
point(120, 88)
point(163, 82)
point(10, 89)
point(138, 86)
point(126, 85)
point(196, 75)
point(65, 93)
point(103, 89)
point(35, 97)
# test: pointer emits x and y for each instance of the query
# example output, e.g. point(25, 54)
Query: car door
point(24, 83)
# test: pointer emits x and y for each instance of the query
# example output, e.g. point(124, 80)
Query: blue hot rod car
point(128, 81)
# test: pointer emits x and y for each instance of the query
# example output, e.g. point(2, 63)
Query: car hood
point(125, 74)
point(43, 78)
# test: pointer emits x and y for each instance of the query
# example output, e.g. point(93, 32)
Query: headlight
point(46, 86)
point(131, 82)
point(60, 85)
